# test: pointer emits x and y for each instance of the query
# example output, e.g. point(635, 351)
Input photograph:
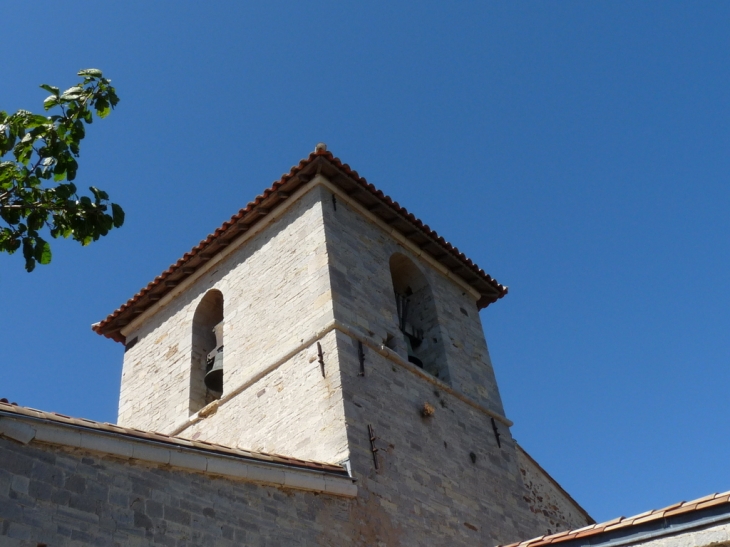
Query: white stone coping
point(25, 429)
point(353, 333)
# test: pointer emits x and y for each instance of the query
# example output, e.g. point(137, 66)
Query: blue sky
point(577, 151)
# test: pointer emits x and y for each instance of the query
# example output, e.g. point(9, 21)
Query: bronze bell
point(214, 376)
point(411, 343)
point(214, 364)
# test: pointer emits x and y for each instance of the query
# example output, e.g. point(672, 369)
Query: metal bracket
point(496, 432)
point(320, 355)
point(371, 433)
point(361, 357)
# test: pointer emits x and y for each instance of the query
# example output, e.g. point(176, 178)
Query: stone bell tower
point(347, 331)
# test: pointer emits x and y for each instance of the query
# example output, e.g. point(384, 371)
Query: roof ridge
point(344, 176)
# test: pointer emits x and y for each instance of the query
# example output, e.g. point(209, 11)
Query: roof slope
point(11, 408)
point(351, 183)
point(623, 524)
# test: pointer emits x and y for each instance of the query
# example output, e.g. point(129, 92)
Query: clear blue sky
point(577, 151)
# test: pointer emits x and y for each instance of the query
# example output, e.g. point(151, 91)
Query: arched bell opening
point(417, 318)
point(206, 373)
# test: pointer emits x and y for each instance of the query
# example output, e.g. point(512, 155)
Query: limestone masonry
point(348, 334)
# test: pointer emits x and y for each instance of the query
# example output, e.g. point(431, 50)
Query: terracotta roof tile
point(673, 506)
point(711, 503)
point(557, 535)
point(612, 521)
point(585, 533)
point(706, 498)
point(341, 175)
point(684, 508)
point(648, 518)
point(621, 522)
point(644, 514)
point(167, 439)
point(589, 527)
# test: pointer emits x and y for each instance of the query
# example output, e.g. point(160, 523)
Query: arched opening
point(417, 319)
point(206, 367)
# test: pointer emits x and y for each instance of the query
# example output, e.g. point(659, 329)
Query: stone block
point(304, 480)
point(151, 453)
point(188, 460)
point(16, 430)
point(176, 515)
point(228, 467)
point(271, 475)
point(58, 435)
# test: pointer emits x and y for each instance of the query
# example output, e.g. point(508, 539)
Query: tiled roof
point(624, 523)
point(54, 417)
point(350, 182)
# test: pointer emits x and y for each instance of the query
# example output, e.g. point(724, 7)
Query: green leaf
point(93, 72)
point(50, 88)
point(41, 148)
point(35, 221)
point(98, 194)
point(36, 119)
point(50, 102)
point(71, 168)
point(28, 254)
point(72, 93)
point(118, 214)
point(42, 251)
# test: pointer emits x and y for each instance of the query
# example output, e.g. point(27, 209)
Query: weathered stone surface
point(546, 499)
point(275, 289)
point(177, 507)
point(312, 275)
point(359, 250)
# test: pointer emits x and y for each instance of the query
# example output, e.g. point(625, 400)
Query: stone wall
point(359, 249)
point(293, 410)
point(446, 471)
point(555, 510)
point(425, 492)
point(75, 498)
point(444, 474)
point(275, 288)
point(443, 479)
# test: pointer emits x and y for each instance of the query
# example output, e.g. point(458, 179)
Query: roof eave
point(350, 182)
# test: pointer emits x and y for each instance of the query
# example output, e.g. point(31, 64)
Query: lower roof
point(138, 434)
point(670, 520)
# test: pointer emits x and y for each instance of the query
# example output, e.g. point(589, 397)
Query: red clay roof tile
point(621, 522)
point(712, 502)
point(342, 176)
point(648, 518)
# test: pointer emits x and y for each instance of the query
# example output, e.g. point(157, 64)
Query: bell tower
point(325, 322)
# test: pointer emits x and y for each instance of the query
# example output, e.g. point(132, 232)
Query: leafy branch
point(44, 148)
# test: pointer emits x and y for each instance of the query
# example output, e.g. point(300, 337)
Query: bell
point(214, 377)
point(409, 348)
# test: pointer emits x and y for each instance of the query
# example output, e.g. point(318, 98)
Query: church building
point(314, 372)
